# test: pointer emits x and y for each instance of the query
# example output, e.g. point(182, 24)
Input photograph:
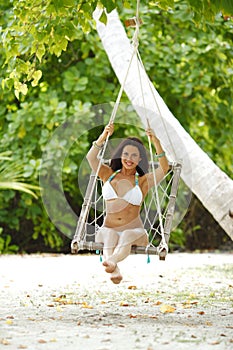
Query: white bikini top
point(133, 196)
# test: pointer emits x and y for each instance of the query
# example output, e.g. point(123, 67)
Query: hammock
point(93, 212)
point(158, 207)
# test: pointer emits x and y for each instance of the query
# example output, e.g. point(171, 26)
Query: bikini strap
point(117, 171)
point(136, 179)
point(113, 175)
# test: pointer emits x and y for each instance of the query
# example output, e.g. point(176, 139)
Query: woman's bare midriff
point(122, 215)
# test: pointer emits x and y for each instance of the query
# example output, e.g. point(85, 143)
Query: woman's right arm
point(92, 155)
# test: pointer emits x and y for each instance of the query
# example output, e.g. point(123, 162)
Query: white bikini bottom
point(136, 230)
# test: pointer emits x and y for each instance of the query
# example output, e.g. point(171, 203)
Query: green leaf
point(20, 88)
point(126, 4)
point(109, 5)
point(18, 186)
point(40, 52)
point(36, 77)
point(103, 18)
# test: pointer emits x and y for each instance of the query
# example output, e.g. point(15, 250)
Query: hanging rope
point(163, 244)
point(112, 118)
point(157, 105)
point(135, 43)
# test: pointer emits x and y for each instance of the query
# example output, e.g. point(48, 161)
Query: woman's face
point(130, 157)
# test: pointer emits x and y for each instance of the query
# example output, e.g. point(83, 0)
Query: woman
point(126, 183)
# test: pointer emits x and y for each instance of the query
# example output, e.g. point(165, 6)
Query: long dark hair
point(143, 165)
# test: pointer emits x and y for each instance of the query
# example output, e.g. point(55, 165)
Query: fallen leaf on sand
point(132, 287)
point(53, 340)
point(190, 302)
point(167, 309)
point(85, 305)
point(192, 296)
point(201, 313)
point(61, 300)
point(142, 316)
point(187, 304)
point(9, 322)
point(31, 319)
point(123, 303)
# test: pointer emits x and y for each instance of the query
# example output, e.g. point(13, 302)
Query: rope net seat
point(93, 212)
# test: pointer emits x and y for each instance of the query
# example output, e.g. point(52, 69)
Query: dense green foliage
point(54, 68)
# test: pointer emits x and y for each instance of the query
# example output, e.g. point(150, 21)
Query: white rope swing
point(92, 184)
point(163, 245)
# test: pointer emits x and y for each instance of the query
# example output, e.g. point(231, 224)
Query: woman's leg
point(118, 248)
point(109, 238)
point(125, 242)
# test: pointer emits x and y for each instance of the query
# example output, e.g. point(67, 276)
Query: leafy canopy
point(32, 29)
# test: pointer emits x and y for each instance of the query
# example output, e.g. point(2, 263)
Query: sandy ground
point(68, 302)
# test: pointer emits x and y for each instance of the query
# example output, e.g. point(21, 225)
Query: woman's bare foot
point(116, 277)
point(110, 266)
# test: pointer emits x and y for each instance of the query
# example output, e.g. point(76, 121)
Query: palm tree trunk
point(211, 185)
